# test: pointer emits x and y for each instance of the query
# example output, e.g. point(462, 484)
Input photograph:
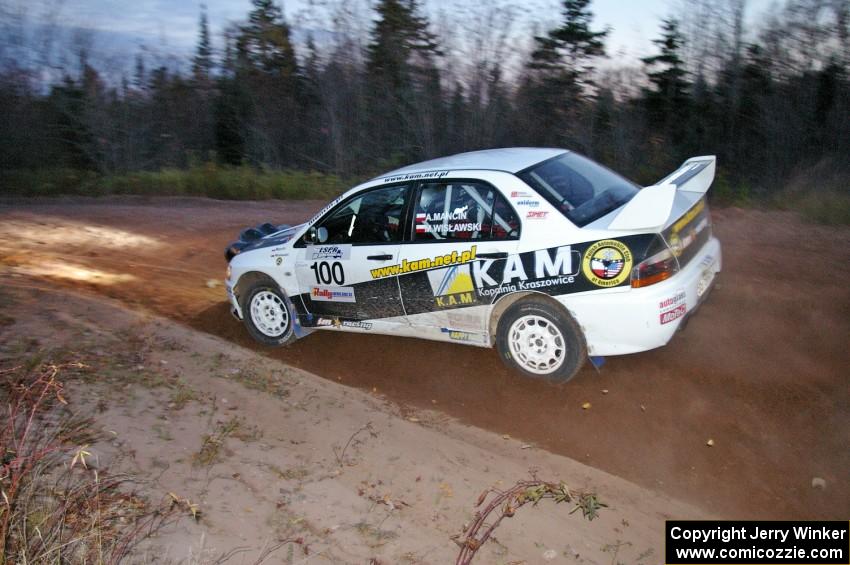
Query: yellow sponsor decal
point(461, 335)
point(453, 258)
point(452, 286)
point(689, 215)
point(607, 263)
point(459, 299)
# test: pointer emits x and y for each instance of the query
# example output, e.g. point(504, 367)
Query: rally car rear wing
point(651, 207)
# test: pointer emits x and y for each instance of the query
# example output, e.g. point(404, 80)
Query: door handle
point(379, 257)
point(494, 255)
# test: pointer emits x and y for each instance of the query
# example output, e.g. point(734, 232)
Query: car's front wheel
point(541, 340)
point(266, 313)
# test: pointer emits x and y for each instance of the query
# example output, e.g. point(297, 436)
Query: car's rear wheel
point(541, 340)
point(267, 314)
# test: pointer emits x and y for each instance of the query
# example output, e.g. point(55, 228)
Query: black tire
point(260, 321)
point(552, 345)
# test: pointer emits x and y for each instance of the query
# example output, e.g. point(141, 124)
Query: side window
point(463, 210)
point(505, 220)
point(373, 217)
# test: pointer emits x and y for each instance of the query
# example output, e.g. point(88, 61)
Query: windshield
point(582, 190)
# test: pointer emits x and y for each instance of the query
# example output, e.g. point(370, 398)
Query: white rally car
point(542, 253)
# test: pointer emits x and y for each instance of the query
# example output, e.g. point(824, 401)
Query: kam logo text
point(545, 266)
point(447, 260)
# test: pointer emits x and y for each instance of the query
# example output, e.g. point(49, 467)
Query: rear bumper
point(629, 320)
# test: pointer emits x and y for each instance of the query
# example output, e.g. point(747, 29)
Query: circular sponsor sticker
point(607, 263)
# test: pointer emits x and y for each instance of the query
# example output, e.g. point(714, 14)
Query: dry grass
point(260, 380)
point(831, 208)
point(181, 395)
point(214, 442)
point(57, 505)
point(820, 193)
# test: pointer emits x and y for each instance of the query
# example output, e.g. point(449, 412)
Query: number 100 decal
point(328, 273)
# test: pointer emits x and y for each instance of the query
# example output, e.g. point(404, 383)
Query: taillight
point(659, 266)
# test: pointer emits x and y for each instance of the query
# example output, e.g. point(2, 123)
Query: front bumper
point(629, 320)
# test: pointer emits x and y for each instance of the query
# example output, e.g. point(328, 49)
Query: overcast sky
point(171, 26)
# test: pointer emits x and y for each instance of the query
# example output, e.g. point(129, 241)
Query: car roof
point(508, 159)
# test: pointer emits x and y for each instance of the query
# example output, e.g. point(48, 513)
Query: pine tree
point(404, 83)
point(264, 95)
point(265, 44)
point(69, 126)
point(202, 62)
point(400, 43)
point(557, 86)
point(312, 63)
point(671, 87)
point(565, 55)
point(314, 119)
point(230, 105)
point(457, 120)
point(748, 142)
point(140, 79)
point(668, 103)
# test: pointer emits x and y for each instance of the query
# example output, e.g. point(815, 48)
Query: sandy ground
point(761, 370)
point(350, 473)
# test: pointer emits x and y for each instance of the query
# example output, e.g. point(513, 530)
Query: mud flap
point(297, 329)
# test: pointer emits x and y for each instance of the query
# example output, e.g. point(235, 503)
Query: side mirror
point(316, 235)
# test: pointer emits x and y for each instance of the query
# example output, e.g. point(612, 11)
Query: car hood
point(277, 238)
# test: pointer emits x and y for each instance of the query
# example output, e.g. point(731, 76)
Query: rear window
point(581, 189)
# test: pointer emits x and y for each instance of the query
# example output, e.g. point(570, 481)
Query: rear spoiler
point(650, 208)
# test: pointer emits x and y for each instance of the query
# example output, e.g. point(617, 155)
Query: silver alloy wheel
point(269, 313)
point(536, 344)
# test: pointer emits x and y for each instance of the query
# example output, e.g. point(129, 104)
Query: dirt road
point(266, 453)
point(762, 370)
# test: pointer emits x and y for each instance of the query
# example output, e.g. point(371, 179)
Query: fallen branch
point(340, 457)
point(505, 504)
